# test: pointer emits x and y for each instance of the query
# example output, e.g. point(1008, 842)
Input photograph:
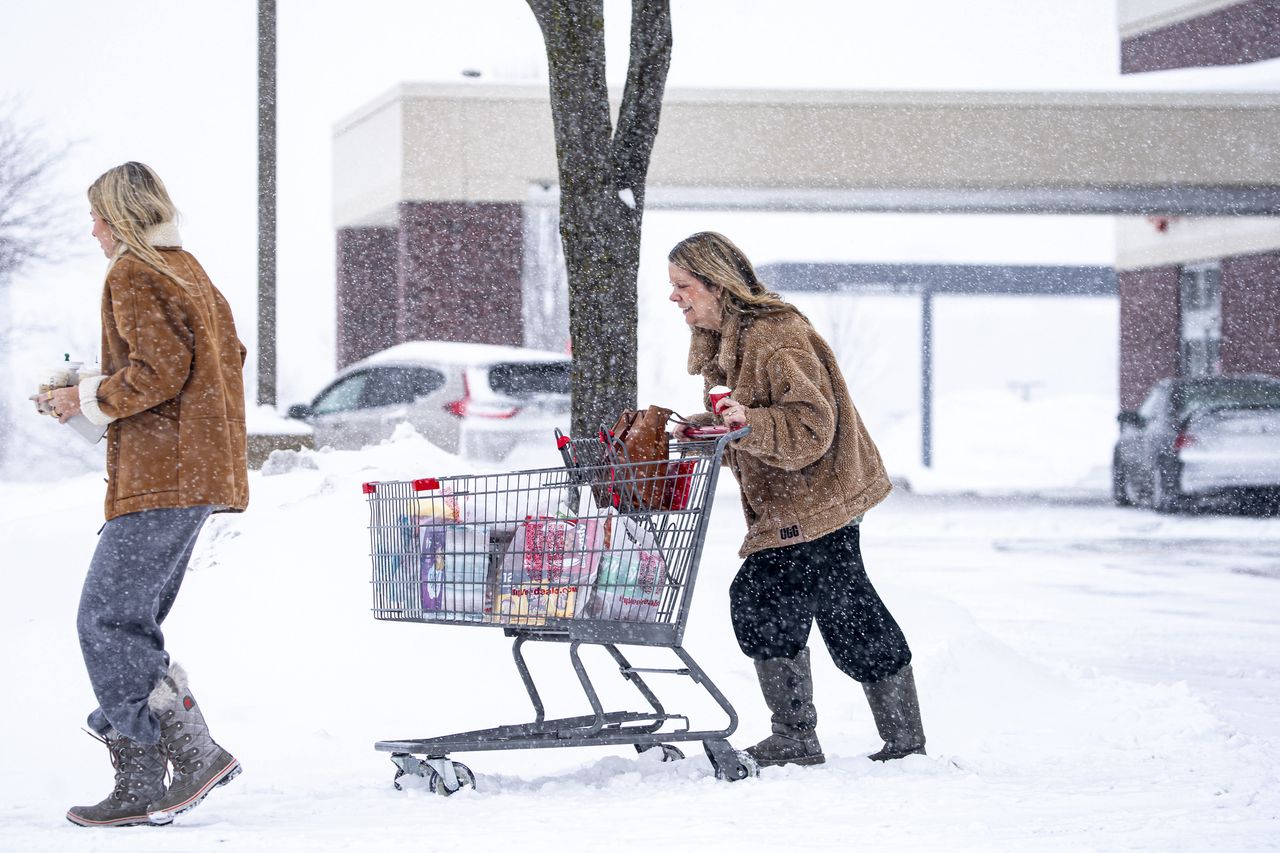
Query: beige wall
point(1140, 16)
point(1140, 244)
point(368, 161)
point(450, 142)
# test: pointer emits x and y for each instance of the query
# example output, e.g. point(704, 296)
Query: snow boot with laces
point(199, 764)
point(787, 685)
point(139, 783)
point(896, 710)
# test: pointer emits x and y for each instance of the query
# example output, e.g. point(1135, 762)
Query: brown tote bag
point(638, 437)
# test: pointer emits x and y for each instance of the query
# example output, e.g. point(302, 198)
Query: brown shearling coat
point(808, 467)
point(174, 387)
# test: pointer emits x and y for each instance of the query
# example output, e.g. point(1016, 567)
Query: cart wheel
point(744, 769)
point(728, 763)
point(437, 783)
point(670, 752)
point(406, 765)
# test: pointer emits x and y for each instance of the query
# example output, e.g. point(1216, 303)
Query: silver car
point(477, 400)
point(1212, 441)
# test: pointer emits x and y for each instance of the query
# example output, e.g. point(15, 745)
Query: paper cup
point(717, 394)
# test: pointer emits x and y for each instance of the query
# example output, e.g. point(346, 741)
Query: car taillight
point(1183, 441)
point(468, 407)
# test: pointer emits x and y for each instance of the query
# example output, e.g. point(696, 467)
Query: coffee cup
point(716, 394)
point(64, 375)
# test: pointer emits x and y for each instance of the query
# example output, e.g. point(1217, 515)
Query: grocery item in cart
point(397, 586)
point(433, 514)
point(504, 510)
point(631, 576)
point(549, 564)
point(466, 568)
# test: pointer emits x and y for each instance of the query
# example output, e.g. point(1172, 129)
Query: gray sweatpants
point(133, 579)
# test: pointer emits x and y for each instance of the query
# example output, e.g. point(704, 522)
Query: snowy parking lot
point(1091, 678)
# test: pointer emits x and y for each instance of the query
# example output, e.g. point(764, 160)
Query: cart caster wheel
point(728, 763)
point(406, 765)
point(437, 783)
point(744, 768)
point(670, 752)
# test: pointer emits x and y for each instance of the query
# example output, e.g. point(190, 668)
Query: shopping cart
point(602, 552)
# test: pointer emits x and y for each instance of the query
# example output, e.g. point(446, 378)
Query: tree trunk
point(602, 175)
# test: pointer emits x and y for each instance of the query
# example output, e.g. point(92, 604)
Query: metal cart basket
point(603, 551)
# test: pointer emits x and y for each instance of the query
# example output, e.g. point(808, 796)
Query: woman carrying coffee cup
point(808, 471)
point(171, 396)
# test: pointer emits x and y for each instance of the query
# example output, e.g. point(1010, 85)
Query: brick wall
point(1148, 330)
point(1251, 314)
point(459, 274)
point(366, 292)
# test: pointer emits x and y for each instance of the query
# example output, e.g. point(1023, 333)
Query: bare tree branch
point(642, 98)
point(28, 228)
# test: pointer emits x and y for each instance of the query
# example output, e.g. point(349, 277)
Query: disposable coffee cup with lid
point(65, 374)
point(717, 394)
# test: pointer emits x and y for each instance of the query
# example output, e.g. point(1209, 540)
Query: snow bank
point(1090, 678)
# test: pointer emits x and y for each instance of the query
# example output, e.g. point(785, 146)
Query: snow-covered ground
point(1091, 679)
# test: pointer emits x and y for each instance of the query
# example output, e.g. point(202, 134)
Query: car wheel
point(1119, 485)
point(1164, 495)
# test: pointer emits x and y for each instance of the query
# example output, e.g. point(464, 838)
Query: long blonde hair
point(715, 261)
point(132, 199)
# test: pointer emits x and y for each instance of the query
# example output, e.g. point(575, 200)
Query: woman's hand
point(64, 403)
point(681, 431)
point(733, 413)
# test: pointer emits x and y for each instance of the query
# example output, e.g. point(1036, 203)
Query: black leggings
point(779, 592)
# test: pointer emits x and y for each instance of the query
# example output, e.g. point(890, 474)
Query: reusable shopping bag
point(631, 576)
point(549, 564)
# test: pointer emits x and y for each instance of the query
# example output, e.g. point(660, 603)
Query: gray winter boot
point(787, 685)
point(897, 713)
point(139, 783)
point(199, 764)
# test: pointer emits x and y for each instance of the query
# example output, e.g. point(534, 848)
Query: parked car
point(1199, 443)
point(478, 400)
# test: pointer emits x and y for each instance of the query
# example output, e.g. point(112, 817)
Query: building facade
point(1199, 296)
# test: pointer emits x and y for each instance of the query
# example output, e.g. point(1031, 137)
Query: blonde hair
point(132, 199)
point(715, 261)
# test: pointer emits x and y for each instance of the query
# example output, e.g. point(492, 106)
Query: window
point(342, 397)
point(529, 380)
point(1200, 309)
point(396, 386)
point(1152, 406)
point(1241, 394)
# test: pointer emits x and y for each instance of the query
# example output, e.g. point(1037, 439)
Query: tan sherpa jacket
point(172, 388)
point(809, 466)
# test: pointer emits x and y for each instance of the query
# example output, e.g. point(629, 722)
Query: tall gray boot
point(139, 783)
point(897, 713)
point(199, 764)
point(787, 685)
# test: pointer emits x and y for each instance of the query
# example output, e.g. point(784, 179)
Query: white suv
point(477, 400)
